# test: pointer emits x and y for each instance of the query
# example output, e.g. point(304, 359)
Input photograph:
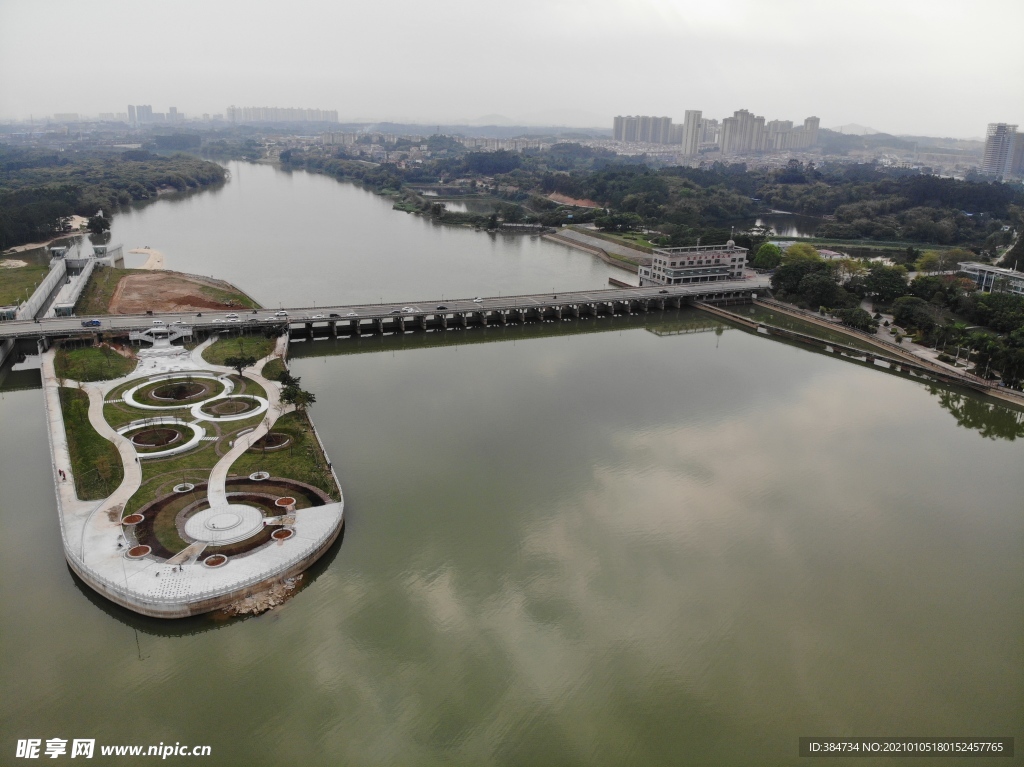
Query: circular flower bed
point(274, 440)
point(229, 406)
point(215, 560)
point(156, 437)
point(179, 391)
point(282, 535)
point(138, 552)
point(132, 519)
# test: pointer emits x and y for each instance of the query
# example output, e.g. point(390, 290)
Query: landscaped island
point(196, 485)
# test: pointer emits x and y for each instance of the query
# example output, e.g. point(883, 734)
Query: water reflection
point(989, 419)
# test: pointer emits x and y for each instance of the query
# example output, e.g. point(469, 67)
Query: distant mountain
point(492, 120)
point(853, 129)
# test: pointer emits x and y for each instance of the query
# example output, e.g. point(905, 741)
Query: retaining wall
point(58, 273)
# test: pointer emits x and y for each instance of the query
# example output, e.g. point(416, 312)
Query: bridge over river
point(395, 317)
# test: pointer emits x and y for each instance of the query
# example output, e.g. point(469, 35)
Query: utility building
point(703, 263)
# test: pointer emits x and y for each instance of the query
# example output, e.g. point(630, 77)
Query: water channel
point(639, 541)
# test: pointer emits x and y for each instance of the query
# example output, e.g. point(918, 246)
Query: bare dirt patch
point(169, 292)
point(565, 199)
point(12, 263)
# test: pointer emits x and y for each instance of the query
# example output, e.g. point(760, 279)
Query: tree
point(849, 268)
point(768, 256)
point(914, 312)
point(930, 261)
point(886, 283)
point(99, 224)
point(240, 363)
point(857, 318)
point(293, 395)
point(819, 289)
point(800, 251)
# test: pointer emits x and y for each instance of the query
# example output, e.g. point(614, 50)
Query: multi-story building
point(142, 112)
point(703, 263)
point(643, 129)
point(1000, 150)
point(990, 278)
point(691, 132)
point(132, 119)
point(277, 114)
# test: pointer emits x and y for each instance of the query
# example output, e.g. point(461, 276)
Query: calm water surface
point(299, 238)
point(617, 547)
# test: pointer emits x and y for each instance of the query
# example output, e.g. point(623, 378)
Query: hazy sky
point(934, 67)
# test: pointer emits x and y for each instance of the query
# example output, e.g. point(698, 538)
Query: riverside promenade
point(99, 544)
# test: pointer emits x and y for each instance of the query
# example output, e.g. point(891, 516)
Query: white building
point(989, 278)
point(703, 263)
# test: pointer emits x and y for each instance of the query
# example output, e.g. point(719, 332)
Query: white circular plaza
point(221, 525)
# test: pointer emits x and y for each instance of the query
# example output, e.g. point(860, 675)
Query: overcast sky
point(931, 67)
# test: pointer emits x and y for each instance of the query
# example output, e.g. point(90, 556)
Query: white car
point(478, 300)
point(410, 309)
point(158, 322)
point(233, 319)
point(352, 314)
point(178, 322)
point(281, 313)
point(231, 316)
point(317, 317)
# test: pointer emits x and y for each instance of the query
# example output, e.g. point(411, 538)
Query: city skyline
point(782, 59)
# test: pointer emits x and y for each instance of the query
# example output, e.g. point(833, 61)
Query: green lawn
point(238, 346)
point(92, 363)
point(302, 460)
point(273, 369)
point(95, 462)
point(16, 285)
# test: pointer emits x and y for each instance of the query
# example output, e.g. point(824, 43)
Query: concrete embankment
point(616, 255)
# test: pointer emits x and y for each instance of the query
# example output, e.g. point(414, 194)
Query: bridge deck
point(219, 320)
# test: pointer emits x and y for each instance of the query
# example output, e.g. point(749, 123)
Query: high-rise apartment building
point(643, 128)
point(277, 114)
point(132, 119)
point(691, 132)
point(743, 133)
point(1000, 150)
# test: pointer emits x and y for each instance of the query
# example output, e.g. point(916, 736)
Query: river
point(642, 541)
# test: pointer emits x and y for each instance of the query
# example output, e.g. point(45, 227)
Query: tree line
point(680, 205)
point(41, 189)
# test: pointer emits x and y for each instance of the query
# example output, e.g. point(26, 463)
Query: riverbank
point(77, 226)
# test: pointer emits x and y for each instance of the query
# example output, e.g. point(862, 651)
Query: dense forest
point(857, 202)
point(41, 189)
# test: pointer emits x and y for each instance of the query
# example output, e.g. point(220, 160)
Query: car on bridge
point(441, 308)
point(231, 316)
point(91, 323)
point(281, 313)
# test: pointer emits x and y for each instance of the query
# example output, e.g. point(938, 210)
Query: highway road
point(58, 326)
